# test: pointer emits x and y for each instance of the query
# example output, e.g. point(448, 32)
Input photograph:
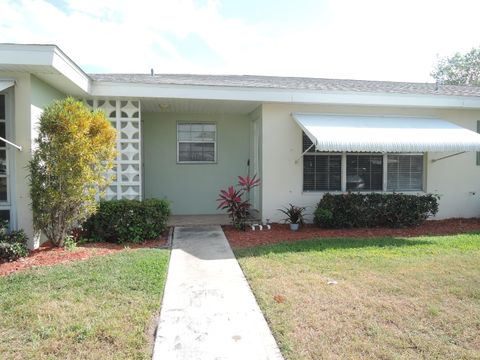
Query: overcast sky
point(367, 39)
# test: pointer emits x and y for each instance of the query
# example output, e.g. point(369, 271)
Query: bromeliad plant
point(233, 202)
point(294, 214)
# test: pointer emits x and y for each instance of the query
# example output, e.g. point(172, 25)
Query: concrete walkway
point(208, 310)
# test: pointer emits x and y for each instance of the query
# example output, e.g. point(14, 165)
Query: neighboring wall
point(31, 95)
point(456, 179)
point(192, 188)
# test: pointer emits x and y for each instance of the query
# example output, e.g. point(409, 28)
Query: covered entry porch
point(185, 151)
point(194, 148)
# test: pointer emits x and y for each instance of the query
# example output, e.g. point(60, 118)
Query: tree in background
point(75, 149)
point(460, 69)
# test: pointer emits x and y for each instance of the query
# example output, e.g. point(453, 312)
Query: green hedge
point(13, 244)
point(354, 210)
point(124, 221)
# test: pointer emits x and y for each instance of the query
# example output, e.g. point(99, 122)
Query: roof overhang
point(350, 133)
point(270, 95)
point(5, 84)
point(48, 63)
point(53, 66)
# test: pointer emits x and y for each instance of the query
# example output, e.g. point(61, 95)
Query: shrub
point(70, 243)
point(75, 149)
point(123, 221)
point(373, 210)
point(13, 245)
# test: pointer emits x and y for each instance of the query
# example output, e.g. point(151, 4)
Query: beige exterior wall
point(456, 179)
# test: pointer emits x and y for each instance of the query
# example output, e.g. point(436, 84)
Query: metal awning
point(5, 84)
point(351, 133)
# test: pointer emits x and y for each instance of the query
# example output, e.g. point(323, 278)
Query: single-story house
point(185, 137)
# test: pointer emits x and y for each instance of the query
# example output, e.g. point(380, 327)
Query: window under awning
point(5, 84)
point(351, 133)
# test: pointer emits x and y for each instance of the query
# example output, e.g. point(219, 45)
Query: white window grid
point(214, 142)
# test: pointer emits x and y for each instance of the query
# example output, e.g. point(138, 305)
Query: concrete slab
point(208, 310)
point(198, 220)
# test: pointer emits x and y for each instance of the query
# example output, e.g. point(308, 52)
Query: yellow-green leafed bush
point(74, 150)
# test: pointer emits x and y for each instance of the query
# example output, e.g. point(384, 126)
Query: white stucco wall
point(454, 179)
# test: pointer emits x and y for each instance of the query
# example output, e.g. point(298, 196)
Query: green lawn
point(396, 298)
point(101, 308)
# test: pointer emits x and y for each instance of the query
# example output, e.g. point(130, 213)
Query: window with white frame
point(364, 172)
point(4, 198)
point(360, 172)
point(321, 172)
point(196, 142)
point(404, 172)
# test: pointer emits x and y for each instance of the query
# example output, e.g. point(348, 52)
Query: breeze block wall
point(125, 116)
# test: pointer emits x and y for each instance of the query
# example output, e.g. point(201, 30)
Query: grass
point(395, 298)
point(95, 309)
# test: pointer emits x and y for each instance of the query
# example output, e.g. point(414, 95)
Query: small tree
point(75, 149)
point(460, 69)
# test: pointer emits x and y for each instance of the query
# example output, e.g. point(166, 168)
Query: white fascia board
point(45, 55)
point(379, 99)
point(137, 90)
point(26, 54)
point(70, 70)
point(199, 92)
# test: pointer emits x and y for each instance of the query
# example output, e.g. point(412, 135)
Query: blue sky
point(368, 39)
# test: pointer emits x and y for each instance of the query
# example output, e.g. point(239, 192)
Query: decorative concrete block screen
point(125, 116)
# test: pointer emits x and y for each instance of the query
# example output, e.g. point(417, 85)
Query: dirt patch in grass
point(48, 254)
point(151, 330)
point(281, 232)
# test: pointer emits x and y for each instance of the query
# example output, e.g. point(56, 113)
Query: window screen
point(364, 172)
point(405, 172)
point(322, 172)
point(196, 142)
point(2, 107)
point(3, 152)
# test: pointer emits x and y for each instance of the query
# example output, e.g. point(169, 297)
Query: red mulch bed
point(282, 232)
point(49, 255)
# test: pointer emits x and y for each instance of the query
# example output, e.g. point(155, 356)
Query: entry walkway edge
point(208, 309)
